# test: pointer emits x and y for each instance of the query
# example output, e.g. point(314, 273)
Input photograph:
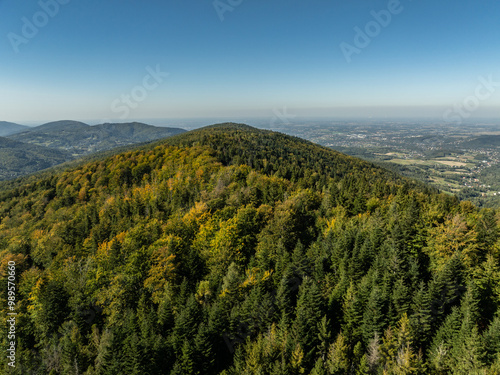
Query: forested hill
point(17, 158)
point(7, 128)
point(288, 157)
point(82, 139)
point(230, 250)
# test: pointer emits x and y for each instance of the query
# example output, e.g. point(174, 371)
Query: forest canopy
point(232, 250)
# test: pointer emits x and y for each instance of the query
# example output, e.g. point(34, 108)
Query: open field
point(448, 157)
point(451, 163)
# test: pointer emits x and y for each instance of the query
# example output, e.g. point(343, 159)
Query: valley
point(461, 160)
point(26, 150)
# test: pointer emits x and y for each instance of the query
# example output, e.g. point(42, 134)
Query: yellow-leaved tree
point(163, 268)
point(450, 237)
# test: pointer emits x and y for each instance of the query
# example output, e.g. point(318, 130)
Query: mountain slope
point(7, 128)
point(230, 250)
point(82, 139)
point(277, 154)
point(57, 142)
point(17, 158)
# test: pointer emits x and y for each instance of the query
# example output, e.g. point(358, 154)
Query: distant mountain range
point(8, 128)
point(80, 139)
point(29, 149)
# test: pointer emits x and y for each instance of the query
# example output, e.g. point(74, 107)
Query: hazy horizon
point(125, 60)
point(272, 121)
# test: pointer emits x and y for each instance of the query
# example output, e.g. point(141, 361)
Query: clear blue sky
point(264, 55)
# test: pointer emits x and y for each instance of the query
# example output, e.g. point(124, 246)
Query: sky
point(122, 60)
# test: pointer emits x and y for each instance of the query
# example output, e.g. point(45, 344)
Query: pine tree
point(467, 353)
point(308, 313)
point(373, 317)
point(319, 368)
point(487, 280)
point(324, 338)
point(186, 323)
point(186, 360)
point(467, 356)
point(109, 361)
point(441, 348)
point(363, 368)
point(134, 355)
point(353, 314)
point(446, 289)
point(396, 350)
point(491, 339)
point(231, 281)
point(338, 356)
point(400, 300)
point(204, 353)
point(286, 295)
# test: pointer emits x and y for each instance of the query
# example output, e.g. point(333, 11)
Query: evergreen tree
point(373, 317)
point(338, 356)
point(421, 319)
point(491, 340)
point(308, 313)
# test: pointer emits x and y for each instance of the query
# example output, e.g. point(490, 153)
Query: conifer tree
point(338, 356)
point(373, 317)
point(421, 319)
point(308, 313)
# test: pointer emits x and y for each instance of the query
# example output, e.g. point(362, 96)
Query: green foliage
point(231, 250)
point(18, 158)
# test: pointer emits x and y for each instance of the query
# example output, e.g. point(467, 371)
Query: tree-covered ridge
point(279, 154)
point(17, 158)
point(231, 250)
point(35, 149)
point(81, 139)
point(7, 128)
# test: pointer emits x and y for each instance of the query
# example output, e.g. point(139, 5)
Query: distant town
point(461, 160)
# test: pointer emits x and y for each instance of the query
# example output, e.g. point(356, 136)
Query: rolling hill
point(8, 128)
point(230, 250)
point(54, 143)
point(81, 139)
point(18, 159)
point(483, 141)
